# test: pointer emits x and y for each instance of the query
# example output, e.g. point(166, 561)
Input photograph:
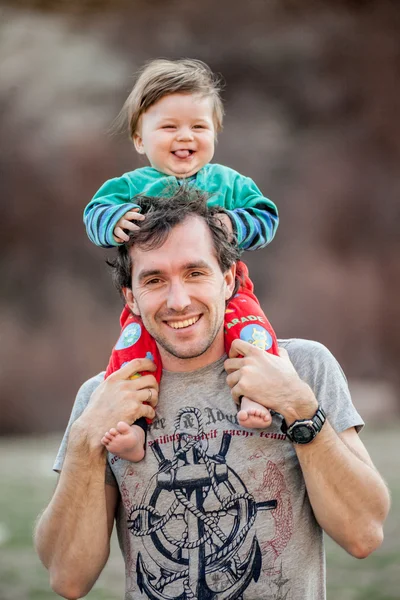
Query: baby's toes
point(123, 427)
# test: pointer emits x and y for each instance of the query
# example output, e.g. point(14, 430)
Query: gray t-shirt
point(216, 510)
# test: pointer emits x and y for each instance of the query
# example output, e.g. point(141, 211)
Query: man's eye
point(196, 274)
point(153, 281)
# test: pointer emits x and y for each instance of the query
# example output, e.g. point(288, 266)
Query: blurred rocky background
point(313, 116)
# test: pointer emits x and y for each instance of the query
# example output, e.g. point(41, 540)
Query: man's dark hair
point(162, 215)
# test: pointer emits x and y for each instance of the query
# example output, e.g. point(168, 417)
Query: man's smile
point(182, 324)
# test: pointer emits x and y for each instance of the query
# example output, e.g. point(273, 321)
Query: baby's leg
point(134, 342)
point(126, 441)
point(244, 319)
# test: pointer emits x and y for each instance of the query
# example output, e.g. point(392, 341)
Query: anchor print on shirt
point(196, 521)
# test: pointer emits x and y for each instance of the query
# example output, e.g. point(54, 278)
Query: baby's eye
point(199, 127)
point(168, 127)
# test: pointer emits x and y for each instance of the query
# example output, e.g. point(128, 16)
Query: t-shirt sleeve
point(81, 401)
point(317, 366)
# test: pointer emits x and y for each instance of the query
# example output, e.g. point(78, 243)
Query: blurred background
point(312, 103)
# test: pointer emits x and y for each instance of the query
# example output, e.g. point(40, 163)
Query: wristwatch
point(304, 431)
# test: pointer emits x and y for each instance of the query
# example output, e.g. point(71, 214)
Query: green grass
point(27, 485)
point(28, 482)
point(378, 576)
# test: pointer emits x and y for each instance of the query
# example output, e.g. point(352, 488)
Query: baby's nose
point(185, 133)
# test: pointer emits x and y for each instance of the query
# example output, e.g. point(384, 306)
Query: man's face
point(180, 292)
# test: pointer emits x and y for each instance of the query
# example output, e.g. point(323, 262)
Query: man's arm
point(348, 497)
point(72, 535)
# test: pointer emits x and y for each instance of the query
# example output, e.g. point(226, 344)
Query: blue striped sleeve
point(255, 220)
point(108, 205)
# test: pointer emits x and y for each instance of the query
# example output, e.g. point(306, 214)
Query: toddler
point(174, 113)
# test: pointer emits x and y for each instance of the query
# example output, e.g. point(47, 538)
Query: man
point(213, 510)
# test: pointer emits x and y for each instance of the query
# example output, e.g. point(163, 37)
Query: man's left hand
point(270, 380)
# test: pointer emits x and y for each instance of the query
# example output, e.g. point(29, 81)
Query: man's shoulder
point(293, 345)
point(81, 401)
point(87, 388)
point(308, 354)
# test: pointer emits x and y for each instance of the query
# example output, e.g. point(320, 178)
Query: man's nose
point(178, 298)
point(184, 134)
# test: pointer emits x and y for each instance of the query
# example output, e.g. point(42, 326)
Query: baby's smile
point(183, 153)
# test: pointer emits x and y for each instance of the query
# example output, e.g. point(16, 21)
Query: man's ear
point(130, 300)
point(230, 280)
point(138, 142)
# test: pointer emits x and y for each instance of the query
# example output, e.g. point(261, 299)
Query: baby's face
point(177, 134)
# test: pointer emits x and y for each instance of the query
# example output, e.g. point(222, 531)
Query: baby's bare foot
point(125, 441)
point(253, 415)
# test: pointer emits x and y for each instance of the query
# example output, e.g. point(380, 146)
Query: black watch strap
point(304, 431)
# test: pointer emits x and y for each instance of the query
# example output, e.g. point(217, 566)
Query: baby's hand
point(225, 220)
point(125, 222)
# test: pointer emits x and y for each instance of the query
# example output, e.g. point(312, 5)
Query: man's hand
point(73, 534)
point(120, 398)
point(269, 380)
point(125, 222)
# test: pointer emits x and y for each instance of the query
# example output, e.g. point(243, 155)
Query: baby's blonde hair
point(162, 77)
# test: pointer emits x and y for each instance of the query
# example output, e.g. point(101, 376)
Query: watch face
point(303, 434)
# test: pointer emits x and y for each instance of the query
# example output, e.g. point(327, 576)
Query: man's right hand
point(119, 398)
point(73, 534)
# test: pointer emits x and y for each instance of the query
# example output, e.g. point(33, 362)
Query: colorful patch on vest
point(257, 336)
point(129, 336)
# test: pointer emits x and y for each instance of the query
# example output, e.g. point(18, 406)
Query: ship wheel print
point(194, 519)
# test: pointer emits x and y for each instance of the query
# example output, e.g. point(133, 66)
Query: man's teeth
point(186, 323)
